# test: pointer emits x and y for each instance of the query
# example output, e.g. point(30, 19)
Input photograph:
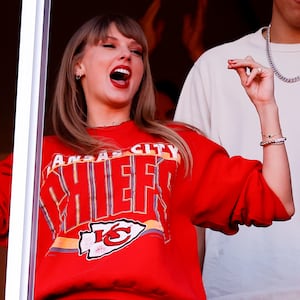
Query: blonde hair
point(69, 109)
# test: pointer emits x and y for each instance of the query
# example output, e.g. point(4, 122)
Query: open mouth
point(120, 74)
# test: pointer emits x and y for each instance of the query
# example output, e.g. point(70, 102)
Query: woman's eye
point(108, 46)
point(137, 52)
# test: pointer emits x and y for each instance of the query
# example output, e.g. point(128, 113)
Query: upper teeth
point(121, 70)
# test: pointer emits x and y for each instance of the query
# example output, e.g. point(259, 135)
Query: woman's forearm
point(276, 168)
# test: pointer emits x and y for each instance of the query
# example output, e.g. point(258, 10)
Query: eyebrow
point(133, 41)
point(110, 37)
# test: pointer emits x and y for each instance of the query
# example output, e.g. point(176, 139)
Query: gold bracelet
point(278, 141)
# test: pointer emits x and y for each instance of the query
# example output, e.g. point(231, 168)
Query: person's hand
point(192, 31)
point(257, 80)
point(152, 30)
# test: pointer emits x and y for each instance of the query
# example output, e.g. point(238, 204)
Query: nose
point(125, 54)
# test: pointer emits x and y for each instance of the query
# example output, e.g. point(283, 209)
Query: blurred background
point(223, 21)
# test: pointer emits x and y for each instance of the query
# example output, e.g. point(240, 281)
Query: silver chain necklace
point(276, 72)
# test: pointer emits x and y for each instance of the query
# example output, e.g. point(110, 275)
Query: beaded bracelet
point(278, 141)
point(269, 136)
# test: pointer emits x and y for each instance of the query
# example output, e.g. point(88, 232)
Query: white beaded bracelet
point(270, 136)
point(278, 141)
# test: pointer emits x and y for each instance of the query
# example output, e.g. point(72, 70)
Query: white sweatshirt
point(256, 263)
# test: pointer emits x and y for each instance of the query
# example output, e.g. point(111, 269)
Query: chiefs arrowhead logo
point(107, 237)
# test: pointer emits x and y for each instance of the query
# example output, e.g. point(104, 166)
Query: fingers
point(249, 64)
point(153, 30)
point(200, 13)
point(249, 69)
point(256, 72)
point(153, 10)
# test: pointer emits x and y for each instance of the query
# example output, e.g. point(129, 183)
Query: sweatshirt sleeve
point(226, 192)
point(240, 196)
point(5, 192)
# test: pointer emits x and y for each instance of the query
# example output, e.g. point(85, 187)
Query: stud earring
point(78, 76)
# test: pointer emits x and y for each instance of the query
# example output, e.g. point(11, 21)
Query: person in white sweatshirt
point(263, 263)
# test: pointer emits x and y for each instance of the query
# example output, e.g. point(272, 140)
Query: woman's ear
point(78, 70)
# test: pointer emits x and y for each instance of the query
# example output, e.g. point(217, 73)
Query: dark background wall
point(224, 21)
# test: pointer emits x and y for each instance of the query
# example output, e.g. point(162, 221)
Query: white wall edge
point(28, 123)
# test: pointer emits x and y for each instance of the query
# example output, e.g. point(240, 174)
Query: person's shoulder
point(195, 138)
point(183, 127)
point(52, 143)
point(187, 131)
point(50, 140)
point(227, 49)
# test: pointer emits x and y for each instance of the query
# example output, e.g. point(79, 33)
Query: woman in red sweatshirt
point(120, 193)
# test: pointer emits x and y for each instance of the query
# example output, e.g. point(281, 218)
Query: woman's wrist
point(269, 120)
